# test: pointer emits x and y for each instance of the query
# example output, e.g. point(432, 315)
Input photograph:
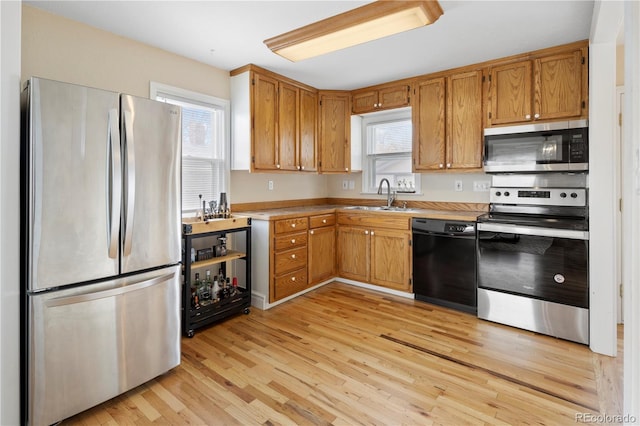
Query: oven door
point(541, 263)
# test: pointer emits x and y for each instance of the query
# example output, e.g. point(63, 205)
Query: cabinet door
point(288, 102)
point(464, 120)
point(393, 97)
point(558, 86)
point(353, 253)
point(390, 259)
point(322, 249)
point(429, 125)
point(335, 132)
point(510, 93)
point(308, 131)
point(365, 101)
point(264, 154)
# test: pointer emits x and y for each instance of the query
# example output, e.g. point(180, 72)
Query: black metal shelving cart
point(206, 235)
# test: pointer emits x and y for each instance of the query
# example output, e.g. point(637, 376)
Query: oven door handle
point(507, 228)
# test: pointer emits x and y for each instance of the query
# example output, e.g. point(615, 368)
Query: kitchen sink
point(381, 208)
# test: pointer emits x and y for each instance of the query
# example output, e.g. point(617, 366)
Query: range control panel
point(573, 197)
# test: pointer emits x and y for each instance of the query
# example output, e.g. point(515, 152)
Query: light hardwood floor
point(344, 355)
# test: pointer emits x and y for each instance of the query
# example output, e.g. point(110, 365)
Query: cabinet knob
point(372, 233)
point(301, 167)
point(311, 232)
point(293, 225)
point(536, 116)
point(293, 256)
point(293, 241)
point(528, 116)
point(277, 166)
point(441, 165)
point(375, 105)
point(293, 278)
point(366, 232)
point(346, 169)
point(448, 165)
point(380, 105)
point(324, 220)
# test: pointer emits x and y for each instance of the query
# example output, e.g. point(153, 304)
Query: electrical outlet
point(352, 184)
point(270, 185)
point(345, 185)
point(481, 185)
point(458, 185)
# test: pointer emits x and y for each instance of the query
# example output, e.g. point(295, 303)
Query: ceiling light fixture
point(369, 22)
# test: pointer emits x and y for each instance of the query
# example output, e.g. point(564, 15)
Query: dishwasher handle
point(465, 235)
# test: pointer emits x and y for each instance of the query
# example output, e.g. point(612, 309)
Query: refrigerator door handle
point(114, 182)
point(80, 298)
point(130, 181)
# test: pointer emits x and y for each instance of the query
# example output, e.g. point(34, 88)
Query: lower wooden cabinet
point(288, 257)
point(322, 248)
point(375, 251)
point(390, 259)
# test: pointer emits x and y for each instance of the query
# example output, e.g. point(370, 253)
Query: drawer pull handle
point(293, 256)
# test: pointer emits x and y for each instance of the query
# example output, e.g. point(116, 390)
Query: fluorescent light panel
point(370, 22)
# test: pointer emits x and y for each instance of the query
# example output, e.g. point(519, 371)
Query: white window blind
point(205, 169)
point(388, 146)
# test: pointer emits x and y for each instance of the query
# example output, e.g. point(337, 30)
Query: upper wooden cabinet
point(334, 132)
point(447, 122)
point(548, 87)
point(274, 123)
point(380, 98)
point(264, 137)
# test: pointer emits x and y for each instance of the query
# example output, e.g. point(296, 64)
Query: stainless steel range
point(533, 254)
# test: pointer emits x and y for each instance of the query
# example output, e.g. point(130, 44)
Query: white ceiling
point(230, 34)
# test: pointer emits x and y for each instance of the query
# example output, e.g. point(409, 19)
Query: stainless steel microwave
point(554, 147)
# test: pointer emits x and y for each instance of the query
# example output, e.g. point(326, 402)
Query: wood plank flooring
point(343, 355)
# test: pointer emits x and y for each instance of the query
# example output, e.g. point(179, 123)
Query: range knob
point(506, 193)
point(574, 195)
point(563, 195)
point(498, 193)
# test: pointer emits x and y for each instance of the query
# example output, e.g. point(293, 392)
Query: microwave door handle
point(114, 182)
point(130, 181)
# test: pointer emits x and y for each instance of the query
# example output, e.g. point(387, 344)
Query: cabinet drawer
point(289, 241)
point(291, 283)
point(322, 220)
point(291, 225)
point(290, 260)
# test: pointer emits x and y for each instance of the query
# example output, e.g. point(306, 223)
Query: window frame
point(195, 98)
point(398, 114)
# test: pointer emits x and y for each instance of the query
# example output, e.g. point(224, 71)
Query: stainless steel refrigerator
point(101, 246)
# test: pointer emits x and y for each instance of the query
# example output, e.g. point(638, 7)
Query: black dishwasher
point(444, 263)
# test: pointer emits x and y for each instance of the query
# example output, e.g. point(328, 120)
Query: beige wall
point(61, 49)
point(620, 65)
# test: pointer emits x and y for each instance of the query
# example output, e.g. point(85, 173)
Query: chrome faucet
point(391, 195)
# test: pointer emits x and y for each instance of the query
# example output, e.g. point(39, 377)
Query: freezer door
point(151, 183)
point(92, 343)
point(72, 159)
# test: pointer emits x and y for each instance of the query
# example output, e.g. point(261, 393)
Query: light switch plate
point(345, 185)
point(458, 185)
point(270, 185)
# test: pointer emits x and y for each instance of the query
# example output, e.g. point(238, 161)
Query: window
point(205, 144)
point(388, 144)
